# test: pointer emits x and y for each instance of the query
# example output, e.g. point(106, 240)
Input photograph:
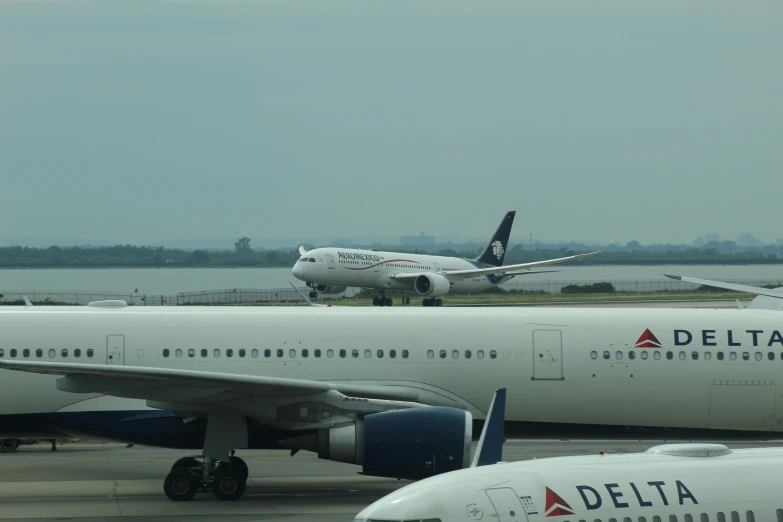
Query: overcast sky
point(144, 121)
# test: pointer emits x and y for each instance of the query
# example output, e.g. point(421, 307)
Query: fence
point(288, 295)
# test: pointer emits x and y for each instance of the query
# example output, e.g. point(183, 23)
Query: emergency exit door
point(508, 507)
point(115, 349)
point(547, 355)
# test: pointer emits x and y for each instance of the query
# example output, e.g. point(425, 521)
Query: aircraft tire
point(186, 462)
point(439, 302)
point(9, 445)
point(426, 302)
point(375, 301)
point(389, 301)
point(237, 464)
point(181, 485)
point(229, 483)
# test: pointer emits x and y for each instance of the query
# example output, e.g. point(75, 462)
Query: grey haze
point(149, 121)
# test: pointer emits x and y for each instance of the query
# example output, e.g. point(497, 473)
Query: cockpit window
point(304, 260)
point(312, 260)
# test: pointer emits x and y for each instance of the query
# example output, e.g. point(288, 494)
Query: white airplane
point(394, 392)
point(331, 270)
point(668, 483)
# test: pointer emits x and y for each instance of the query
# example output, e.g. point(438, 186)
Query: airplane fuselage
point(574, 367)
point(737, 485)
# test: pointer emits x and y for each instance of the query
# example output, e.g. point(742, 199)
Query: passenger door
point(330, 261)
point(547, 354)
point(508, 507)
point(115, 350)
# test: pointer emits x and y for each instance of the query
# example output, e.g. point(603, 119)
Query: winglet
point(490, 446)
point(27, 303)
point(307, 299)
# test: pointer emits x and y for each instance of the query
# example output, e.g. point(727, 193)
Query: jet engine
point(431, 284)
point(410, 444)
point(330, 289)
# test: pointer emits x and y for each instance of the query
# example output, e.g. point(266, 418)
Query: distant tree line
point(136, 256)
point(244, 256)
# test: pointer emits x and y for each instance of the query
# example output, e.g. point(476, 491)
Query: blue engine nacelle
point(410, 444)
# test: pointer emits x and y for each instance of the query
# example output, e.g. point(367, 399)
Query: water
point(170, 281)
point(160, 281)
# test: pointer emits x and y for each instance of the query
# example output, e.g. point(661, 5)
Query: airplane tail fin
point(490, 446)
point(495, 250)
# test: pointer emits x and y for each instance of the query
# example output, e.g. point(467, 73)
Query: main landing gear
point(382, 300)
point(219, 470)
point(189, 475)
point(432, 302)
point(8, 445)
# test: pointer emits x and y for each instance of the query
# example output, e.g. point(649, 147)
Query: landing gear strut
point(382, 300)
point(219, 471)
point(189, 475)
point(432, 302)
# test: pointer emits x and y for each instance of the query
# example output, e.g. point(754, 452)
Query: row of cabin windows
point(51, 352)
point(704, 517)
point(493, 354)
point(397, 265)
point(280, 353)
point(619, 355)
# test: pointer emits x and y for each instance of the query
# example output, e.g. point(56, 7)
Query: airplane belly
point(31, 393)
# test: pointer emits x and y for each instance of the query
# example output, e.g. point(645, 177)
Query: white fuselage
point(343, 267)
point(646, 487)
point(713, 369)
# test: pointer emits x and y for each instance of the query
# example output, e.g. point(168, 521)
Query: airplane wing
point(519, 269)
point(770, 292)
point(267, 398)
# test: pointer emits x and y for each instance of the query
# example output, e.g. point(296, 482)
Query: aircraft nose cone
point(298, 271)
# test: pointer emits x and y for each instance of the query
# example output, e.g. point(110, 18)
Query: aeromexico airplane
point(331, 270)
point(395, 392)
point(666, 483)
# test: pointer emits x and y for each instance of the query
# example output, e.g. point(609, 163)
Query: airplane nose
point(298, 271)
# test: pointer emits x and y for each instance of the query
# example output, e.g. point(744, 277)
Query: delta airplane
point(669, 483)
point(331, 270)
point(394, 392)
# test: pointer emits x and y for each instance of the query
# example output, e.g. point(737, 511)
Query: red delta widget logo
point(555, 505)
point(647, 340)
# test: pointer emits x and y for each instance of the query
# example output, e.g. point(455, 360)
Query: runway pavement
point(92, 482)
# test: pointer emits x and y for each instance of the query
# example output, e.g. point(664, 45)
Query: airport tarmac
point(90, 482)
